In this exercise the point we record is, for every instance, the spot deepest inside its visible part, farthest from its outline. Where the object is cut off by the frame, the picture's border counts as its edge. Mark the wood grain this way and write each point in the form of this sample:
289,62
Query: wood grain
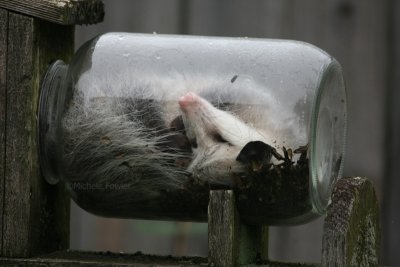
66,12
391,200
230,241
20,167
3,86
50,205
35,214
351,229
223,229
109,259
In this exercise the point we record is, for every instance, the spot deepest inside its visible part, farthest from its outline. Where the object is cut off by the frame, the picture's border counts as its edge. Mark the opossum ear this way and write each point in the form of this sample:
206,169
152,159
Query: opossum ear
255,154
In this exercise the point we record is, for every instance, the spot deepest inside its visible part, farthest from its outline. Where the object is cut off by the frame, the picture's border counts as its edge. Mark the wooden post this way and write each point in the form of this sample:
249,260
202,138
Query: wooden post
34,215
232,243
351,229
3,70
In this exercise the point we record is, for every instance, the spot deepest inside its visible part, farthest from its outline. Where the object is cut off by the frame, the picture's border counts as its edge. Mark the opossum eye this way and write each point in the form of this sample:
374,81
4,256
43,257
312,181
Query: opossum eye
193,142
218,138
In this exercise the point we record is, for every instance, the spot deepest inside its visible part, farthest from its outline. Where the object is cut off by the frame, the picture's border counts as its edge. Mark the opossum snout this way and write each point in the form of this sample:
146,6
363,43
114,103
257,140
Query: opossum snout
189,101
195,113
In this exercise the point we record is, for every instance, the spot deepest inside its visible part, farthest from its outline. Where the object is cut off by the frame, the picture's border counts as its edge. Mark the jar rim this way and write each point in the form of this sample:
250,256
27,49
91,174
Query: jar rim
320,199
52,81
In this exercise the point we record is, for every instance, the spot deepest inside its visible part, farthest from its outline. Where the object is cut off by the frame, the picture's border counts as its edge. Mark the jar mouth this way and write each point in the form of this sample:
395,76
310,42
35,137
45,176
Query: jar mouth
328,133
48,120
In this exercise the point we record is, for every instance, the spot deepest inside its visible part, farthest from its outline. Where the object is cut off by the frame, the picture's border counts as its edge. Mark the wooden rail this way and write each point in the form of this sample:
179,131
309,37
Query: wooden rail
83,259
65,12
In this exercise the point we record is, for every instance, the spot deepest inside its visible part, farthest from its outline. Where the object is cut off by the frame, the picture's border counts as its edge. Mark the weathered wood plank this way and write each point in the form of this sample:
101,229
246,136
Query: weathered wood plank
351,230
223,229
66,12
61,263
282,264
51,208
3,85
19,165
83,259
109,259
36,215
391,201
230,242
253,244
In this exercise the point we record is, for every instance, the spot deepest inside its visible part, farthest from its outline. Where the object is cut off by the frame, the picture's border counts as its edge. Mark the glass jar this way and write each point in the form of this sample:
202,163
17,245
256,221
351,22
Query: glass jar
143,126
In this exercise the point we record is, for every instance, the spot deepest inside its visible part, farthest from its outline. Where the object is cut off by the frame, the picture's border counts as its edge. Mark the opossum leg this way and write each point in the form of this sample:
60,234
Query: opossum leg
255,155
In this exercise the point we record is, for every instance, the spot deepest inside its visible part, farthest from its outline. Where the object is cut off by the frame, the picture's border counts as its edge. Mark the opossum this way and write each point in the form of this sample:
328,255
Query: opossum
155,133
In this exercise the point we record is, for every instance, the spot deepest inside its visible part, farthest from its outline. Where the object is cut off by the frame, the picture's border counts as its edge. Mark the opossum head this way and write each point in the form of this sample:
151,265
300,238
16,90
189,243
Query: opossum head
217,138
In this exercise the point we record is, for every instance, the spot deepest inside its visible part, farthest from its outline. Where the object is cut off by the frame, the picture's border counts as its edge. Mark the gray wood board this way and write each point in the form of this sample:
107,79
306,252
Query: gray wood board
352,227
76,258
20,166
35,214
3,86
391,204
230,241
223,229
103,259
66,12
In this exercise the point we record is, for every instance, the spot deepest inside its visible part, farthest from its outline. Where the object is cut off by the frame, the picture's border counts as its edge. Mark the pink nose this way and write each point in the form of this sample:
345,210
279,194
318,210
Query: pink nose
189,100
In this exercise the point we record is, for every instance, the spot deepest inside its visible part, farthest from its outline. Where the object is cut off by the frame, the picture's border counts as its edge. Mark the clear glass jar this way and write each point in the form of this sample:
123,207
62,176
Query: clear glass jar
143,126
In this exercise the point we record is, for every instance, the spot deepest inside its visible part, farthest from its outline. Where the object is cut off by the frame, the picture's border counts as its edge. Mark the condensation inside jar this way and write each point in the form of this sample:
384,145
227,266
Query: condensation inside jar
150,126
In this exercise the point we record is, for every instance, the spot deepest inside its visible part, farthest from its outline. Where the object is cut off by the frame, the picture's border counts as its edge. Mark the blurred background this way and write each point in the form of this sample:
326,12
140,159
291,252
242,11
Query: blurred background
364,36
